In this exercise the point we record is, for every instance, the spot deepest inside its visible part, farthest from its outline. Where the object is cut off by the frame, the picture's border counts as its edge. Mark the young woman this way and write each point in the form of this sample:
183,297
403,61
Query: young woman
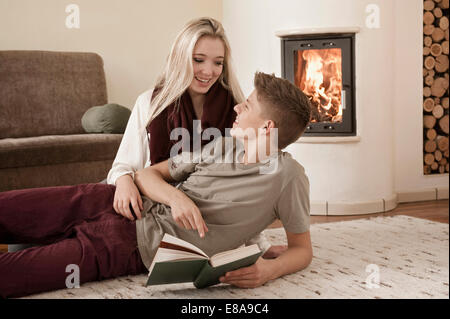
198,83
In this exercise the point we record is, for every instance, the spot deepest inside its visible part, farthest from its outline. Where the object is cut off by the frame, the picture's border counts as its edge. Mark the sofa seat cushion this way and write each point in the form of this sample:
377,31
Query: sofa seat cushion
57,149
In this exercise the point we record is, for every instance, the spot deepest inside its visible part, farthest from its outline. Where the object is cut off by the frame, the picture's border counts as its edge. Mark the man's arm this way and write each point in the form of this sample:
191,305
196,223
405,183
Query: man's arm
297,257
153,182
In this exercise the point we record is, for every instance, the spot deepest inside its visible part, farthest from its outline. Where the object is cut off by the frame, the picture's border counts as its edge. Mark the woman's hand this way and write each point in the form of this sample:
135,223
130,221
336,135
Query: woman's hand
186,214
127,193
250,277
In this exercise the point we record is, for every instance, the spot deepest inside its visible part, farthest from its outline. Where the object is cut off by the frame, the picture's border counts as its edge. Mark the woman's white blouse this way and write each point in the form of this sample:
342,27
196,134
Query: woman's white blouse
134,152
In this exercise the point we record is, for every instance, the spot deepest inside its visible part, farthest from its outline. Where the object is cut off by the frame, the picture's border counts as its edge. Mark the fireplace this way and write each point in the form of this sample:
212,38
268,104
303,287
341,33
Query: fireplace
322,66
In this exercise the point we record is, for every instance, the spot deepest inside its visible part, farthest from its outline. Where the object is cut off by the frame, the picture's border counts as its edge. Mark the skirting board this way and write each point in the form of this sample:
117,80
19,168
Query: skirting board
327,208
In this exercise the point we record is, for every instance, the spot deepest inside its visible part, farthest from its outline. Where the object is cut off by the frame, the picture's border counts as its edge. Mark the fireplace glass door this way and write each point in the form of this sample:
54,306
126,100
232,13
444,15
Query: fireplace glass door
322,67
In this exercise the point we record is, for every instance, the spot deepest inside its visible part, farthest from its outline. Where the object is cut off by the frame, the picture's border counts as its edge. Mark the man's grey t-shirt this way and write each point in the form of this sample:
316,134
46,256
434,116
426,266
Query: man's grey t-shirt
237,201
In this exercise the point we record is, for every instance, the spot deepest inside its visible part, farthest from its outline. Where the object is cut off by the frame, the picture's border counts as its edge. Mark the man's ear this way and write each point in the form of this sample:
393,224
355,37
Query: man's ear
268,125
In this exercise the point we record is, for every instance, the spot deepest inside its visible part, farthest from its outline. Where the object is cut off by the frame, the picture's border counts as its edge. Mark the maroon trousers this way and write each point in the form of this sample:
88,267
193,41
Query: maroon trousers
75,226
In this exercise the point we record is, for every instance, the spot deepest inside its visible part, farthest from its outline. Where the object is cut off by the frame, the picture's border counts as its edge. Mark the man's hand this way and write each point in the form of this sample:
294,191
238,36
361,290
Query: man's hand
126,194
187,215
250,277
274,251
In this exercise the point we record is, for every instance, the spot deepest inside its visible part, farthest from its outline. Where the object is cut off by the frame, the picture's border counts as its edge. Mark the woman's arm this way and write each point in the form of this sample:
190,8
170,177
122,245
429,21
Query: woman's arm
153,182
133,154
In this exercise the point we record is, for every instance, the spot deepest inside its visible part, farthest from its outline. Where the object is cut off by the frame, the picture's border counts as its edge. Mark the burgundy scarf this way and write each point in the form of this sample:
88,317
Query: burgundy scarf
217,112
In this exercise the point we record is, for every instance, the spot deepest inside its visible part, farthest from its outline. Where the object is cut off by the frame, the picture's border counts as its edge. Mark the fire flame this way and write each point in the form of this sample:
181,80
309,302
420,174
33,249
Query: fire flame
319,76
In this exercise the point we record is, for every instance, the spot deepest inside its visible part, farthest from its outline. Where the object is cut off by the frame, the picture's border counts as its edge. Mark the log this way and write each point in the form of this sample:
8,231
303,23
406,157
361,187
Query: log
427,41
429,62
428,29
444,46
441,63
441,169
444,101
428,158
430,146
428,17
426,51
443,4
438,155
431,72
440,85
426,91
443,124
443,23
434,166
436,49
429,121
446,34
431,134
442,143
446,153
429,80
437,101
437,12
438,111
428,5
438,34
443,161
428,104
446,167
426,169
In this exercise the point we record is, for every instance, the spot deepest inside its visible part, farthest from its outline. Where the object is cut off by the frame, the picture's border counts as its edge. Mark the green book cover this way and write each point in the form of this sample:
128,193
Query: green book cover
177,261
209,275
178,271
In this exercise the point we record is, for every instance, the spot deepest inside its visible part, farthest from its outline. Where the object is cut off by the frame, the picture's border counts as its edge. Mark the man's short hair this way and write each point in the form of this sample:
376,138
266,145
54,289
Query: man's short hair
285,104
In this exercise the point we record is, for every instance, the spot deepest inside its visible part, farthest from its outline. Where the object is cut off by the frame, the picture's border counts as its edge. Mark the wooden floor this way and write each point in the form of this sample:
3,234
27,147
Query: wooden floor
436,210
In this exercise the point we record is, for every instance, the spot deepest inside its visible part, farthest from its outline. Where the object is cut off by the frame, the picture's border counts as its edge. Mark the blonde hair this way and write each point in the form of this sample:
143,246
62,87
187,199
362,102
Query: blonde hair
179,71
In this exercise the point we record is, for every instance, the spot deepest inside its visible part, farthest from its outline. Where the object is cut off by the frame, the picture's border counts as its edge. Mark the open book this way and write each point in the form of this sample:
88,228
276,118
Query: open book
178,261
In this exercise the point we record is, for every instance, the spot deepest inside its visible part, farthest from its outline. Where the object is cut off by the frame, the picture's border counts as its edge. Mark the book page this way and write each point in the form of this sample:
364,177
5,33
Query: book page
176,241
234,254
164,254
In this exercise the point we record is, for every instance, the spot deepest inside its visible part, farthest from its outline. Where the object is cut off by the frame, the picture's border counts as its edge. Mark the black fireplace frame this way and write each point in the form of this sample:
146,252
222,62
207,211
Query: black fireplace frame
343,41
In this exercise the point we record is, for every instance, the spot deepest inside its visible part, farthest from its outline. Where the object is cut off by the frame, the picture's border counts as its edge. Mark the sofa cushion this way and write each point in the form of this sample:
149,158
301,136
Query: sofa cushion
56,149
47,92
108,118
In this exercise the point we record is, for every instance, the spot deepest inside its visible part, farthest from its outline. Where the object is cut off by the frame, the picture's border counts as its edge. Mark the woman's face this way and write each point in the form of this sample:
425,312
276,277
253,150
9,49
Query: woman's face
208,58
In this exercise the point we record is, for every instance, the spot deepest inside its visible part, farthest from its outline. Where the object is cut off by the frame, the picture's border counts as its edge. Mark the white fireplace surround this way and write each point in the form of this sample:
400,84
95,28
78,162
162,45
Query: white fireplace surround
382,165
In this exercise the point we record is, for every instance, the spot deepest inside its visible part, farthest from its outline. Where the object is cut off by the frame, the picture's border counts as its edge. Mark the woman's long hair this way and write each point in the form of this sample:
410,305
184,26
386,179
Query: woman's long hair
179,71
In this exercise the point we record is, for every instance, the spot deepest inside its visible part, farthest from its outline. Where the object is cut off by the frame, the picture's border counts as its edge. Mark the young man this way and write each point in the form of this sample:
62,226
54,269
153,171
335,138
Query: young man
217,206
237,187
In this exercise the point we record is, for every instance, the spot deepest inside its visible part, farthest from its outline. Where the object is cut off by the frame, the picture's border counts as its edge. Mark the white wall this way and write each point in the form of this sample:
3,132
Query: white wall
408,126
133,37
388,157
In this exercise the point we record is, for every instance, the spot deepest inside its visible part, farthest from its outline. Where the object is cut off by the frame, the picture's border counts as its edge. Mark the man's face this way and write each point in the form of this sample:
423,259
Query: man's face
249,118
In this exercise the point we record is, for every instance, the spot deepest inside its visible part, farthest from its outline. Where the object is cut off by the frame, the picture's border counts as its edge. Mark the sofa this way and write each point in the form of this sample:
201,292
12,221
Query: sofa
43,96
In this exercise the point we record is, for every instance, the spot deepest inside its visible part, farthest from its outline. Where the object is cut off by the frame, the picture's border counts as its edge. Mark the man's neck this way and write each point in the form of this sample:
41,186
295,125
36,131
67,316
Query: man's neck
255,152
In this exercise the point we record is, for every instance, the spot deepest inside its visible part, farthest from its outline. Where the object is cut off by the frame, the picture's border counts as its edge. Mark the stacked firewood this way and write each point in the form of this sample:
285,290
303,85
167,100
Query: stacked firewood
435,86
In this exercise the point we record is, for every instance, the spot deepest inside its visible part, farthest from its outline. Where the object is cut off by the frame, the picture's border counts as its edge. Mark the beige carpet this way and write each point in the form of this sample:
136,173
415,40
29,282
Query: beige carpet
409,256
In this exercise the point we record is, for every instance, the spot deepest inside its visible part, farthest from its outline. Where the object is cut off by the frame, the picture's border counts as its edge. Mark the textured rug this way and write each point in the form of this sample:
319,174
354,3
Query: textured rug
382,257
